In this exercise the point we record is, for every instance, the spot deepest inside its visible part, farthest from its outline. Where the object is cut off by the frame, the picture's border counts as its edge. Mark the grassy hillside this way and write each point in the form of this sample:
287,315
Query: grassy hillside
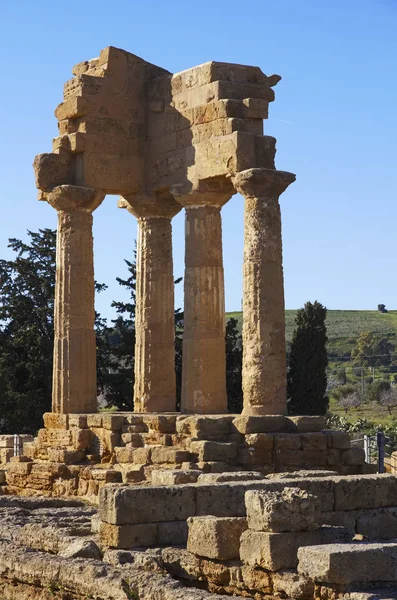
344,326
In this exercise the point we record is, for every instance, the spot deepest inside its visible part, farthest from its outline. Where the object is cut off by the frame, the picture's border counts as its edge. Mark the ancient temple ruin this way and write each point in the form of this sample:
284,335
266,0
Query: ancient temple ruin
164,142
197,504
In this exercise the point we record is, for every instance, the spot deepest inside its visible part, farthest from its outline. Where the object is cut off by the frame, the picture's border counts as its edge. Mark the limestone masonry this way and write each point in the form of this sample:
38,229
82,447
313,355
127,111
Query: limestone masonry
164,142
155,504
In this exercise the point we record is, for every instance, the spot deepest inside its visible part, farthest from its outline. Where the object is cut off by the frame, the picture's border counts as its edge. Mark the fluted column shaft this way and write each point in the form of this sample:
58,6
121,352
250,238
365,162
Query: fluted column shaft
264,353
204,360
74,370
155,379
155,384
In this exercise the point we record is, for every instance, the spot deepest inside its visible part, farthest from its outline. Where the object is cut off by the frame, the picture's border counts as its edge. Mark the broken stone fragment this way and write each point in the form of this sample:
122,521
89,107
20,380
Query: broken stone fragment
81,548
292,509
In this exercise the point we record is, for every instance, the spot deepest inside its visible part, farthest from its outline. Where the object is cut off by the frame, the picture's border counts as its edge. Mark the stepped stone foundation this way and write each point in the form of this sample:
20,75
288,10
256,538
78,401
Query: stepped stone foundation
76,455
155,504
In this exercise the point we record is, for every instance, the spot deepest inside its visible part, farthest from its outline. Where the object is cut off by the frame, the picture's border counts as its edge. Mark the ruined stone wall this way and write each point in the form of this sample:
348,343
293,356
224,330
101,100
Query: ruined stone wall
77,454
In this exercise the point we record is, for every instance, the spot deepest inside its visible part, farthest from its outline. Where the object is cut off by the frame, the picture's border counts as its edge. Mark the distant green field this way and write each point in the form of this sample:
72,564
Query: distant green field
344,326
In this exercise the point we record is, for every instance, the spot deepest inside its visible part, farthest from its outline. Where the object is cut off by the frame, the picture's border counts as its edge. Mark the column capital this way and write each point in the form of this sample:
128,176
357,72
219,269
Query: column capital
74,198
197,198
144,206
206,192
257,183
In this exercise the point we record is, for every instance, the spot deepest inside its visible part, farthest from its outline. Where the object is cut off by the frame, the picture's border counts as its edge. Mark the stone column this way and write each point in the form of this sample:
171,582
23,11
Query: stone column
204,359
74,372
155,383
264,356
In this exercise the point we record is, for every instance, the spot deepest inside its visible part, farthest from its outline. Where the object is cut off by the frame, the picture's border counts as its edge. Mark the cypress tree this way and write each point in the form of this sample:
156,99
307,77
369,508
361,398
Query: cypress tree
307,375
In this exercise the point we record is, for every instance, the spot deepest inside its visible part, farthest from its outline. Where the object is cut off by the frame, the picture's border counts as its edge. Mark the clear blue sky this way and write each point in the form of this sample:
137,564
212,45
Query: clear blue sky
335,119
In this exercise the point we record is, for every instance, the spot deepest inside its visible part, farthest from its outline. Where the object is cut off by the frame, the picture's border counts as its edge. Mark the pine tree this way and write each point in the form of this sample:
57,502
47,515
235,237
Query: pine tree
234,357
118,348
27,286
27,290
307,376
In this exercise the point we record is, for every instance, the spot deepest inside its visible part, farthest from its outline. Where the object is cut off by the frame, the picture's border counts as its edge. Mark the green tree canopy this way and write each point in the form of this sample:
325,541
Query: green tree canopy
27,285
372,350
307,377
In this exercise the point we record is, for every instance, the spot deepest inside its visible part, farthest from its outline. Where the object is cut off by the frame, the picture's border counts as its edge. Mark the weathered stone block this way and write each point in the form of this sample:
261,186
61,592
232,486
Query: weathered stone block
255,424
346,564
172,533
94,420
55,421
290,584
353,457
22,468
314,441
252,457
134,440
122,505
275,551
290,510
79,421
20,459
69,457
214,451
6,454
301,458
333,457
82,438
285,444
306,424
260,441
379,524
161,423
81,548
338,439
6,441
365,491
106,475
166,454
227,499
174,476
215,537
52,170
132,473
211,427
254,579
341,518
128,536
215,466
139,456
112,422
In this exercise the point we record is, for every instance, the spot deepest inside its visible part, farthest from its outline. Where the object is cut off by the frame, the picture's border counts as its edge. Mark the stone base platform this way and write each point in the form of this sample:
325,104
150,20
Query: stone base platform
75,455
50,550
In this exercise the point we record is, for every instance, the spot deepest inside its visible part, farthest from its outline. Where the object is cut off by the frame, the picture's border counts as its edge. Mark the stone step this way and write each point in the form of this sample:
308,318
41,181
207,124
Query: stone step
347,564
174,476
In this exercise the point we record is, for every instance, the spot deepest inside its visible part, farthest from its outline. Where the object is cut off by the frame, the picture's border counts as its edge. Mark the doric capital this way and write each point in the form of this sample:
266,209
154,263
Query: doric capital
213,192
257,183
144,206
71,198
